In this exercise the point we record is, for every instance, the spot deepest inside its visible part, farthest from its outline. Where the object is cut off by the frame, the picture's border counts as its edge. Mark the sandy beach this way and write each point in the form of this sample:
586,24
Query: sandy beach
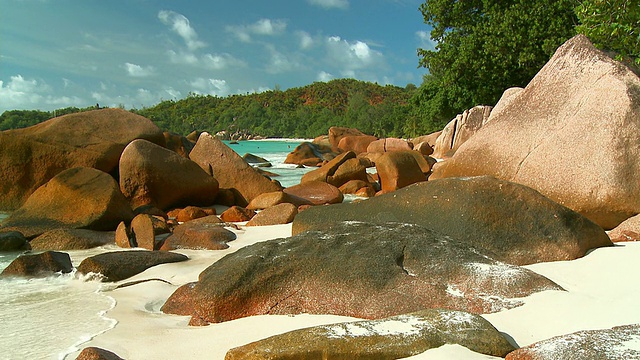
598,296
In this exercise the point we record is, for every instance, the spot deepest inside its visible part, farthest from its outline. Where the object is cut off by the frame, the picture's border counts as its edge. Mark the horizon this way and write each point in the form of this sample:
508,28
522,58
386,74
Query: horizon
138,53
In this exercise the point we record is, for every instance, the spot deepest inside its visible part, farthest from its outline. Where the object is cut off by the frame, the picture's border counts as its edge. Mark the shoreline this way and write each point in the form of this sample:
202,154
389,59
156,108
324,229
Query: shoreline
597,297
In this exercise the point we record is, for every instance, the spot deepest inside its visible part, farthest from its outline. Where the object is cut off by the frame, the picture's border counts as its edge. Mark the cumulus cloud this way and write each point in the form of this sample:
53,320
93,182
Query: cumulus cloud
306,41
217,87
138,71
185,58
330,4
352,55
324,76
425,40
265,27
181,26
221,61
21,93
279,62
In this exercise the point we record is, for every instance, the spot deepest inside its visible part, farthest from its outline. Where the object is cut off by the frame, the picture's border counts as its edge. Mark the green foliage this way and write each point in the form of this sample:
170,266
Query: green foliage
484,47
612,25
16,119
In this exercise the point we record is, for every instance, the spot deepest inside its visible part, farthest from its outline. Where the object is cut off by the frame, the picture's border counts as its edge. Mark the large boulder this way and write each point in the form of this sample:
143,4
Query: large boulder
316,193
30,157
39,265
207,233
398,169
310,154
279,214
372,270
515,223
336,134
572,134
94,353
13,241
618,343
120,265
389,144
72,239
84,198
628,230
356,143
460,129
391,338
153,175
328,169
231,171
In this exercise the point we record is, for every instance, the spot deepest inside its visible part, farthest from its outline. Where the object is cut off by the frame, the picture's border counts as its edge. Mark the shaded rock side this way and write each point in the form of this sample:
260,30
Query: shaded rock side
72,239
39,265
120,265
515,223
153,175
572,134
13,241
460,129
30,157
391,338
206,233
618,343
76,198
231,171
355,269
310,154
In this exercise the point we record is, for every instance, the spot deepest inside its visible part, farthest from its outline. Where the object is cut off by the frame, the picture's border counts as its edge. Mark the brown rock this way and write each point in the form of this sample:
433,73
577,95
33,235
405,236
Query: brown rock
310,154
94,353
545,137
412,334
200,234
76,198
279,214
423,148
231,171
351,169
460,129
389,144
429,139
143,233
366,192
226,197
628,230
120,265
124,238
353,186
268,200
30,157
178,143
39,265
153,175
356,143
150,210
13,241
398,169
191,213
237,214
72,239
329,169
316,192
337,133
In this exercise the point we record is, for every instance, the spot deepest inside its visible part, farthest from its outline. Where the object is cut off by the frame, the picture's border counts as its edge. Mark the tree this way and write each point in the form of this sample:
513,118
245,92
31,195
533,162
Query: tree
612,25
486,46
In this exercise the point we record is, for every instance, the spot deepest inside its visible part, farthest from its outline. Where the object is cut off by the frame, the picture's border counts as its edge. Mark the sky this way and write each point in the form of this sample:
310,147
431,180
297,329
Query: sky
136,53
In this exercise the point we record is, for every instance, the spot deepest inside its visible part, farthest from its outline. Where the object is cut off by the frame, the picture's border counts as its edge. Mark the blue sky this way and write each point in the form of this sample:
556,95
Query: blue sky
59,53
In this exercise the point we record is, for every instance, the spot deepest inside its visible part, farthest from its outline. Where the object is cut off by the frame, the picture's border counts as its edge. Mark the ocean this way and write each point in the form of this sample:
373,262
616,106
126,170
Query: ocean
52,317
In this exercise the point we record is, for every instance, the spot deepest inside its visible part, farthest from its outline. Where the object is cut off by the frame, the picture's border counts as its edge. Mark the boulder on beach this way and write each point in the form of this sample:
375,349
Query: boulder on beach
207,233
237,214
178,143
30,157
94,353
617,343
267,200
390,338
628,230
572,134
398,169
13,241
310,154
39,265
72,239
120,265
153,175
460,129
372,270
255,160
279,214
316,192
230,170
515,223
389,144
356,143
75,198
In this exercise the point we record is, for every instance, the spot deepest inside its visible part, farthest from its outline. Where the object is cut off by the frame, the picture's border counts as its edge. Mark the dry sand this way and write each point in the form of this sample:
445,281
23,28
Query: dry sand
601,292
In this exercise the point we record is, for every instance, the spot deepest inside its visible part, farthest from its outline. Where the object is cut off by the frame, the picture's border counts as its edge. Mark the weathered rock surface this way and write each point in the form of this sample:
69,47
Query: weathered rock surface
39,265
267,200
255,160
30,157
461,129
94,353
618,343
316,192
142,231
75,198
329,169
279,214
178,143
572,134
391,338
389,144
310,154
398,169
13,241
373,271
153,175
628,230
72,239
205,233
231,171
336,134
515,223
237,214
356,143
120,265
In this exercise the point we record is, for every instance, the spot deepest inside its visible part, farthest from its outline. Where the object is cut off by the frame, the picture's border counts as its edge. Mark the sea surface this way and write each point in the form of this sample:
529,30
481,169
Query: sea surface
52,317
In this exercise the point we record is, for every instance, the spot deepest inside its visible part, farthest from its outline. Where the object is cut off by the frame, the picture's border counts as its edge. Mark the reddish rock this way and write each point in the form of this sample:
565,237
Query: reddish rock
356,143
226,197
460,129
143,233
352,169
150,210
316,192
200,234
231,171
423,148
13,241
124,238
153,175
178,143
94,353
310,154
429,139
628,230
326,170
237,214
279,214
191,213
389,144
268,200
571,134
39,265
120,265
30,157
366,192
72,239
336,134
76,198
398,169
353,186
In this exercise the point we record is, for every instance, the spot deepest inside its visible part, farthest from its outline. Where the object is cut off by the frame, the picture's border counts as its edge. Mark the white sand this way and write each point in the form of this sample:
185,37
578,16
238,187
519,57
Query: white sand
601,292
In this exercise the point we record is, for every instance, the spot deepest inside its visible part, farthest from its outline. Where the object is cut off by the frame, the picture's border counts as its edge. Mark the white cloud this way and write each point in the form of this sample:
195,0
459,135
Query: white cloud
329,4
306,41
279,62
265,27
217,87
425,40
352,55
325,76
185,58
181,26
21,93
221,61
138,71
